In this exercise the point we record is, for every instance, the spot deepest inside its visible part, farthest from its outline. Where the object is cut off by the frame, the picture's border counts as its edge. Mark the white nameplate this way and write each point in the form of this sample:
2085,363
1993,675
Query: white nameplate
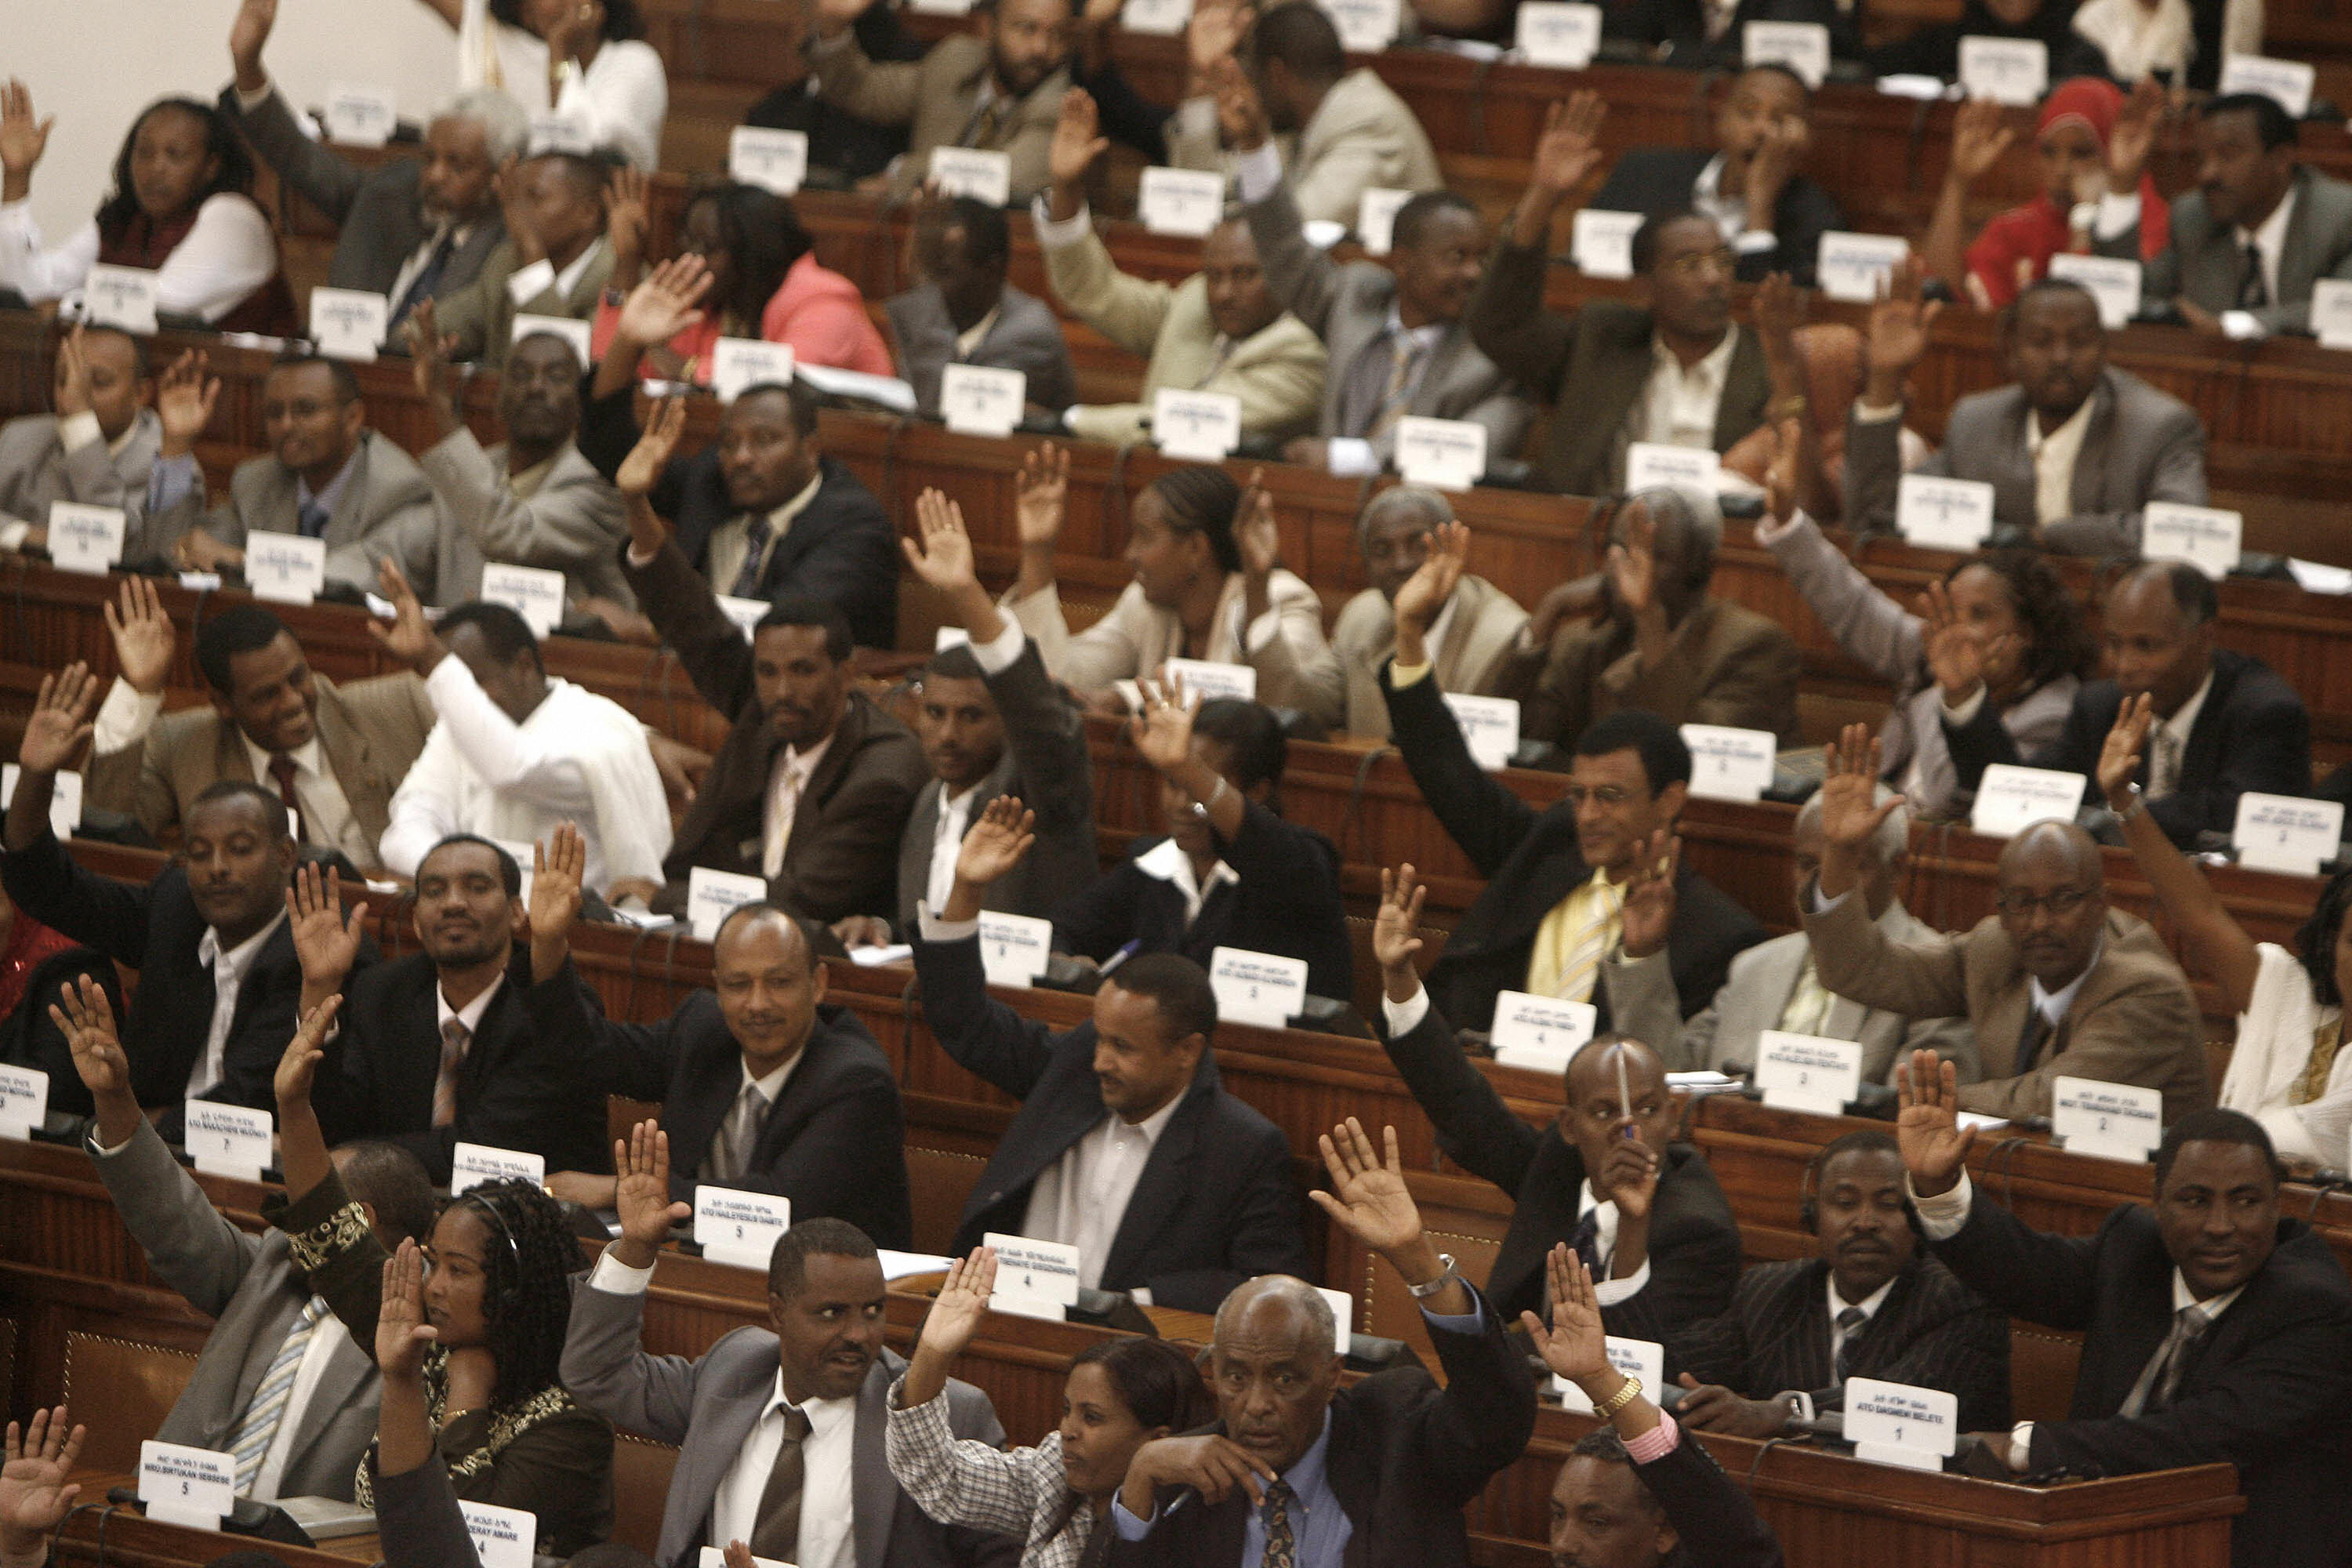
2012,799
185,1486
1443,454
503,1537
1896,1424
471,1164
1602,242
1197,426
1033,1278
980,400
289,568
711,895
2331,313
24,1100
739,1228
1164,19
2207,537
1730,764
2014,71
974,171
2113,284
1540,1033
1188,202
85,538
1943,514
1365,27
737,364
1644,1360
534,593
349,323
574,332
1853,267
1802,47
2289,81
1489,725
1557,34
567,133
360,114
227,1140
942,7
772,160
1808,1072
1376,219
1654,465
2117,1120
1209,680
65,799
121,296
1343,1312
747,614
1014,948
1261,988
712,1557
2286,833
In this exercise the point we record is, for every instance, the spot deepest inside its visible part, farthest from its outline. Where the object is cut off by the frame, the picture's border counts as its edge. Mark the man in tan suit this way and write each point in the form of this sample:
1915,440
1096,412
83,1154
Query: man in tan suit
2054,983
999,89
1221,329
554,261
1413,553
335,755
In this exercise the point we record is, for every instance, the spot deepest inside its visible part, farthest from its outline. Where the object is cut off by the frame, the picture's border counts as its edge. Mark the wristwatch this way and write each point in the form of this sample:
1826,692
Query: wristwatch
2133,803
1423,1292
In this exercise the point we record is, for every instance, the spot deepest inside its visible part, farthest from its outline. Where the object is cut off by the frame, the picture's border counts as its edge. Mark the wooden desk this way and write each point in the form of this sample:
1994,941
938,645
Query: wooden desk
127,1539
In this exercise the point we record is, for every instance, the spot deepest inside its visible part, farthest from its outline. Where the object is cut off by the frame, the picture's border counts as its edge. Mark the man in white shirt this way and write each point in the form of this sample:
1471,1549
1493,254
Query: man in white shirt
516,753
770,1421
2260,229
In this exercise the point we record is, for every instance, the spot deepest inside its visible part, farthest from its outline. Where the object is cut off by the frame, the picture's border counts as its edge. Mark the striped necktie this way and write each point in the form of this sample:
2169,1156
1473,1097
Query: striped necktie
1808,1012
1591,944
2159,1380
249,1443
1850,1320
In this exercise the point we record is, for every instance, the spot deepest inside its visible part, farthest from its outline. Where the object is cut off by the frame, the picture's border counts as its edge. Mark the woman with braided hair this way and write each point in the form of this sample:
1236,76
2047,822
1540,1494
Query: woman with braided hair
492,1285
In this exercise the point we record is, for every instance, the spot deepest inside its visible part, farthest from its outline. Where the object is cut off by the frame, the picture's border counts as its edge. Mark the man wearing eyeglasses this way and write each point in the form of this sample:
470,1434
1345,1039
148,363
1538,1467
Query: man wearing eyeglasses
2054,983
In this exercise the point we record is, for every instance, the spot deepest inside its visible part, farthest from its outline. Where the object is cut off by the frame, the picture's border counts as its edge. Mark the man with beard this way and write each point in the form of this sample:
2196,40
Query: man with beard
2074,448
999,87
814,785
2260,228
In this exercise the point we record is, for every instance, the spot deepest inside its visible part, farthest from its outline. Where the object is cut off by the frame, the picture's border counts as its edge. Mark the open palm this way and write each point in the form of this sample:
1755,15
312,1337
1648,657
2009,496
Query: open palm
1368,1194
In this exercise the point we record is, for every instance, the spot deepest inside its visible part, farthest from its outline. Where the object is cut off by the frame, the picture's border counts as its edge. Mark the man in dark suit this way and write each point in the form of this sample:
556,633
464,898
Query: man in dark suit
764,1089
1870,1305
1127,1145
2224,723
438,1048
1607,1177
219,978
1392,1460
410,229
1772,216
1669,367
762,513
964,312
2214,1329
2259,229
780,1429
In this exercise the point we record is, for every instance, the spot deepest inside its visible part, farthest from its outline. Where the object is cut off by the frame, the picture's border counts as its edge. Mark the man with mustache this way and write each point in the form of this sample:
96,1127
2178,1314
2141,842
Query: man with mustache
2074,448
1870,1304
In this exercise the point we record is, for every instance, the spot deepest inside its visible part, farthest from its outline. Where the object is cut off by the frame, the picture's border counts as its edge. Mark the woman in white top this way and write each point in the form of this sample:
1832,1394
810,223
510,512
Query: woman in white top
180,207
2144,37
1119,1394
2287,1072
585,61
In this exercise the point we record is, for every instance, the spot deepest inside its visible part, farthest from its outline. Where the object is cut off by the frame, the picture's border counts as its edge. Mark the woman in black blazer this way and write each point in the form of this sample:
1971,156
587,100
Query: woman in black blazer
1229,872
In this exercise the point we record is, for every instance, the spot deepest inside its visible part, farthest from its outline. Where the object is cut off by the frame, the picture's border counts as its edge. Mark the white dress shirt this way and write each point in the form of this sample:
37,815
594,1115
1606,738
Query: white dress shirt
1678,406
325,808
1730,214
527,283
1081,1198
2168,745
971,337
618,101
2268,239
2055,454
1868,1305
2055,1004
229,974
731,540
1172,865
786,782
471,1015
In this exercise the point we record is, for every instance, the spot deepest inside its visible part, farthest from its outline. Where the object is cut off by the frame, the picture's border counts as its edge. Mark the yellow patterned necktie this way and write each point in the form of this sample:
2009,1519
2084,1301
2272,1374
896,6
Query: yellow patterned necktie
2324,1042
1808,1012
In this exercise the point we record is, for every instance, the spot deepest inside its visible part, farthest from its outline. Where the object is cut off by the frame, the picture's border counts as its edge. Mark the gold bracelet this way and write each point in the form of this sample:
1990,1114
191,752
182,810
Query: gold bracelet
1627,1392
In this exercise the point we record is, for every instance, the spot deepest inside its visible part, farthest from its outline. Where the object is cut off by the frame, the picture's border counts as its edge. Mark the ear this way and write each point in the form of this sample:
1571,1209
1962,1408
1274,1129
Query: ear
1667,1540
518,915
817,979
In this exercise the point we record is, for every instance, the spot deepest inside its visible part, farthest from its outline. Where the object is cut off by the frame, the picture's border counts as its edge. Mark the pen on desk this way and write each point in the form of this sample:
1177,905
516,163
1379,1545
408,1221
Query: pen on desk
1121,956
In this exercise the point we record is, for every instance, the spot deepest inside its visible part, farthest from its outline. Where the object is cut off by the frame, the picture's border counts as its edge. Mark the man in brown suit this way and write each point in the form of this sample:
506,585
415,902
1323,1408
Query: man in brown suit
334,753
1655,639
2055,983
814,785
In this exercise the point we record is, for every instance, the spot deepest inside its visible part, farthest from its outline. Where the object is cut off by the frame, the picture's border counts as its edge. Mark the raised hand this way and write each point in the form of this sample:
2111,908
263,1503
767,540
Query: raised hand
1164,731
628,218
1927,1127
833,17
1899,319
299,1068
665,303
1958,656
1851,811
997,842
1256,533
651,455
559,865
1629,1173
73,394
143,637
1575,1345
1779,310
411,638
1039,492
1981,134
1781,476
1241,112
1422,597
1215,28
1368,1197
60,720
1076,144
429,350
1396,931
87,1021
326,940
402,1335
1570,146
641,1194
1632,562
2134,135
2127,741
246,35
942,556
1649,911
961,1307
22,140
35,1495
184,397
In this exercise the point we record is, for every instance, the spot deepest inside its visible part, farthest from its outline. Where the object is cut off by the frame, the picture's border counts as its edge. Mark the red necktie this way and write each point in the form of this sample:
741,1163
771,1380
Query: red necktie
281,768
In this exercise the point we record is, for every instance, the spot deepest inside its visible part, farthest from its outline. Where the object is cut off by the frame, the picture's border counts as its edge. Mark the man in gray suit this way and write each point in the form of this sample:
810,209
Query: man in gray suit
780,1429
100,446
280,1384
328,476
2259,229
991,722
964,312
1774,986
411,230
2074,448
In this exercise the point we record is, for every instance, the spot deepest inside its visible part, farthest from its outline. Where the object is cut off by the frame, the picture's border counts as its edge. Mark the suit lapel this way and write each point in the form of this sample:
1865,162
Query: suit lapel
875,1494
1747,386
349,520
2089,483
348,753
915,846
722,1427
706,1086
799,1097
346,1377
414,1054
1160,1189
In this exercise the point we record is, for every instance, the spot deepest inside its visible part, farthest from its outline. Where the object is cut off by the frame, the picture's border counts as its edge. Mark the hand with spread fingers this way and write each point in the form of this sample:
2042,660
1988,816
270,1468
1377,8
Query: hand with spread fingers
997,843
559,867
1851,812
2127,743
411,638
1649,911
1422,596
1927,1126
326,940
641,1196
35,1490
1396,933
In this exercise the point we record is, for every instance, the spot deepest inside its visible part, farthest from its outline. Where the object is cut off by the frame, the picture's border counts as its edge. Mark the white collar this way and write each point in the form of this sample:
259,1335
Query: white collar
1422,336
2036,439
569,276
470,1014
1711,369
803,762
2055,1005
2185,719
770,1084
971,339
2270,232
1708,186
2212,1306
237,959
824,1414
1869,1304
1152,1126
306,758
1168,861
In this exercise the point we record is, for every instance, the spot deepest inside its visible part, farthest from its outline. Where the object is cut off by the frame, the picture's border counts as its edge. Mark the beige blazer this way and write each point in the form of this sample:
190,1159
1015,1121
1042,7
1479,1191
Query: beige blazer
1727,665
1362,136
1475,658
1135,637
936,97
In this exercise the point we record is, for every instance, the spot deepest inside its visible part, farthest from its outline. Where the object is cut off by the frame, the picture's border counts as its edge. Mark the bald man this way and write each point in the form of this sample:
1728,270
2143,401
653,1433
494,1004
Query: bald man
2054,983
1393,1459
764,1087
